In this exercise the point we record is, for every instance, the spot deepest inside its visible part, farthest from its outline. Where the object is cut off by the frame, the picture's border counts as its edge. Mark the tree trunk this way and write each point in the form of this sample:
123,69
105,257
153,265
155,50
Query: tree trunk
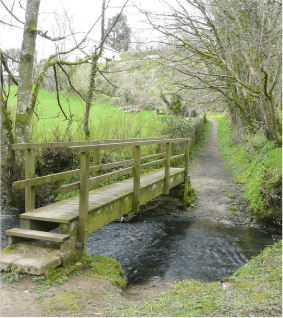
94,59
270,118
24,109
90,95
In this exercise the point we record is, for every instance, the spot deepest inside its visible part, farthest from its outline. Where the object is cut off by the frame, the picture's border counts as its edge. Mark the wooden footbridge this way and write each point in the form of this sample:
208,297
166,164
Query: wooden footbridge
79,216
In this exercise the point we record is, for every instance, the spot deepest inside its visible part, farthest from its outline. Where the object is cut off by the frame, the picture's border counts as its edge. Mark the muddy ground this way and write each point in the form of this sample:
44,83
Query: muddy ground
219,199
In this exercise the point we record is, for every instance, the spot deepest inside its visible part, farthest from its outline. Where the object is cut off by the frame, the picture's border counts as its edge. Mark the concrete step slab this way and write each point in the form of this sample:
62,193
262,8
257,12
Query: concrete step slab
30,259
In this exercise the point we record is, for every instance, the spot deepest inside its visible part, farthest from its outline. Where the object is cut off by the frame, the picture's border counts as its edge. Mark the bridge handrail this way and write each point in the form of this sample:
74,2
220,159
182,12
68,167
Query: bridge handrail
66,174
115,174
121,145
24,146
111,175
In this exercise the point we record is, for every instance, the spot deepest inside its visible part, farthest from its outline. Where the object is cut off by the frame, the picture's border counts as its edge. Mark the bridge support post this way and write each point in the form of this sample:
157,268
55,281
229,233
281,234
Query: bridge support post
167,168
30,173
137,178
84,194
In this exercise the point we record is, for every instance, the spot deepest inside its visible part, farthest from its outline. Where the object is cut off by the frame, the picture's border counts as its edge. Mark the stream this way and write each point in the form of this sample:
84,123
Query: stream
158,249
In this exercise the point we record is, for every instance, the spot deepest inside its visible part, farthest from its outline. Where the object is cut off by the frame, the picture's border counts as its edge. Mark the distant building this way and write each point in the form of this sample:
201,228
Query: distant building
108,53
154,57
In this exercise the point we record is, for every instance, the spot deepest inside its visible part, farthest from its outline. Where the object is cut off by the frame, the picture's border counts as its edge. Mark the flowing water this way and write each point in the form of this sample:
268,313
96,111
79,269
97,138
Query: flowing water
156,249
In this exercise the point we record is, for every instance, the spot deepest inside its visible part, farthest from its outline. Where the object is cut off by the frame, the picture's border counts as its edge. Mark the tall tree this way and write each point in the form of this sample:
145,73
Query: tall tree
119,33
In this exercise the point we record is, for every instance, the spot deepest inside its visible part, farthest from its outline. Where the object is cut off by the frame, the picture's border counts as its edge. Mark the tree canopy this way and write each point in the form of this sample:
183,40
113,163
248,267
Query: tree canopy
119,37
232,48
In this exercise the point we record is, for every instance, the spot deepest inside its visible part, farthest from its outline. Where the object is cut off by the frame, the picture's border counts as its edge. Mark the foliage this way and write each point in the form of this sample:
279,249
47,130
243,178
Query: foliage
257,163
120,35
178,127
12,171
175,106
12,275
231,48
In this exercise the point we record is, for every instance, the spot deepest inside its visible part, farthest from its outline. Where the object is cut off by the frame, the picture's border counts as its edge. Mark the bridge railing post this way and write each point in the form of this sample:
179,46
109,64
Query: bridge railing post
186,174
137,178
96,161
84,195
159,148
29,173
167,167
187,151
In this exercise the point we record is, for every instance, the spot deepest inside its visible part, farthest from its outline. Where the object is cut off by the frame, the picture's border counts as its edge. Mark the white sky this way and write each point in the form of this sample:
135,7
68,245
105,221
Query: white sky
83,14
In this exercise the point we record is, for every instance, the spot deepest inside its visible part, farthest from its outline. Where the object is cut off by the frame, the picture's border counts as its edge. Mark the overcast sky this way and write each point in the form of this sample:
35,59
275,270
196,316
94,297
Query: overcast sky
83,14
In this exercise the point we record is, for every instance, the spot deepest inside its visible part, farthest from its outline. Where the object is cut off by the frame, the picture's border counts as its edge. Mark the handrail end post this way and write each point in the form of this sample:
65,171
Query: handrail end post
167,168
137,176
29,173
84,197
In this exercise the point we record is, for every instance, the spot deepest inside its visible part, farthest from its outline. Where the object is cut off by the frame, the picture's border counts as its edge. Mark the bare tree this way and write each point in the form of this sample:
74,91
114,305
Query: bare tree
232,48
29,83
97,53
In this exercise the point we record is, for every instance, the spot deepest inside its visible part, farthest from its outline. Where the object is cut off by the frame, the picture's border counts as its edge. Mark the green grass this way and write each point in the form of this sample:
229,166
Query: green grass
254,290
106,121
256,163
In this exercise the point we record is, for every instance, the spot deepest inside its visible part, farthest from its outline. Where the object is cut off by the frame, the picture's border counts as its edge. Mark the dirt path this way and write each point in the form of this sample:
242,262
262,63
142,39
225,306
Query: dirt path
218,200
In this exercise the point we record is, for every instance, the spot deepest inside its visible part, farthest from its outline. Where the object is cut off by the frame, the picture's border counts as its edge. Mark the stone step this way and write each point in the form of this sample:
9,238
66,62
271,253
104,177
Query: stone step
31,259
15,233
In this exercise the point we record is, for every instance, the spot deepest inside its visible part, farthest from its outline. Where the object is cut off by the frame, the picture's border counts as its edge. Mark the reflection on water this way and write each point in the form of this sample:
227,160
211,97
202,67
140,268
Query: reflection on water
157,249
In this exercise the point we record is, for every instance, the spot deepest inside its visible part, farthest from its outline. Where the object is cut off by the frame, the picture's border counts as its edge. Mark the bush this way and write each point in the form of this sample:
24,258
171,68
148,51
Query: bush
180,127
48,161
13,171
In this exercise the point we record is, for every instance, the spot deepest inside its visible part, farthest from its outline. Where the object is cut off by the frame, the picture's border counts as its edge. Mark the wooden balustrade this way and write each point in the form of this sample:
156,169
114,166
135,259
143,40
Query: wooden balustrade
133,166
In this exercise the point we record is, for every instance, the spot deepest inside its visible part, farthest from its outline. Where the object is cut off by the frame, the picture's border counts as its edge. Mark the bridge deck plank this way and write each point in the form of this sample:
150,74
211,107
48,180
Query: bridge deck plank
68,210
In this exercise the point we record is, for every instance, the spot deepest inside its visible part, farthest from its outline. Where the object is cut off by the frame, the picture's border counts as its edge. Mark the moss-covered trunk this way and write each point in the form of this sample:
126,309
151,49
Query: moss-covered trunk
24,109
94,67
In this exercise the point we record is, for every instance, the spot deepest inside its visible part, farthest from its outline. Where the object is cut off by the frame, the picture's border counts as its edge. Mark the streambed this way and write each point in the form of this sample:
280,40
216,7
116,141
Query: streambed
158,249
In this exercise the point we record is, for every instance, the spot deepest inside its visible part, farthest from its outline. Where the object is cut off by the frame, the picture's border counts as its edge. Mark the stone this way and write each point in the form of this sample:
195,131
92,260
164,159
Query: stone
32,259
37,265
7,260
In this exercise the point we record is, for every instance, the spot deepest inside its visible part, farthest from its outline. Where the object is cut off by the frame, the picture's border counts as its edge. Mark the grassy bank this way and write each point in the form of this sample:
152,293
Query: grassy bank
257,163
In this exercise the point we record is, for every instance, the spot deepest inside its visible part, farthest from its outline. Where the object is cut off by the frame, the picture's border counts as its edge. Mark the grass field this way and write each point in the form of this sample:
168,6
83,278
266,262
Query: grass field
106,121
